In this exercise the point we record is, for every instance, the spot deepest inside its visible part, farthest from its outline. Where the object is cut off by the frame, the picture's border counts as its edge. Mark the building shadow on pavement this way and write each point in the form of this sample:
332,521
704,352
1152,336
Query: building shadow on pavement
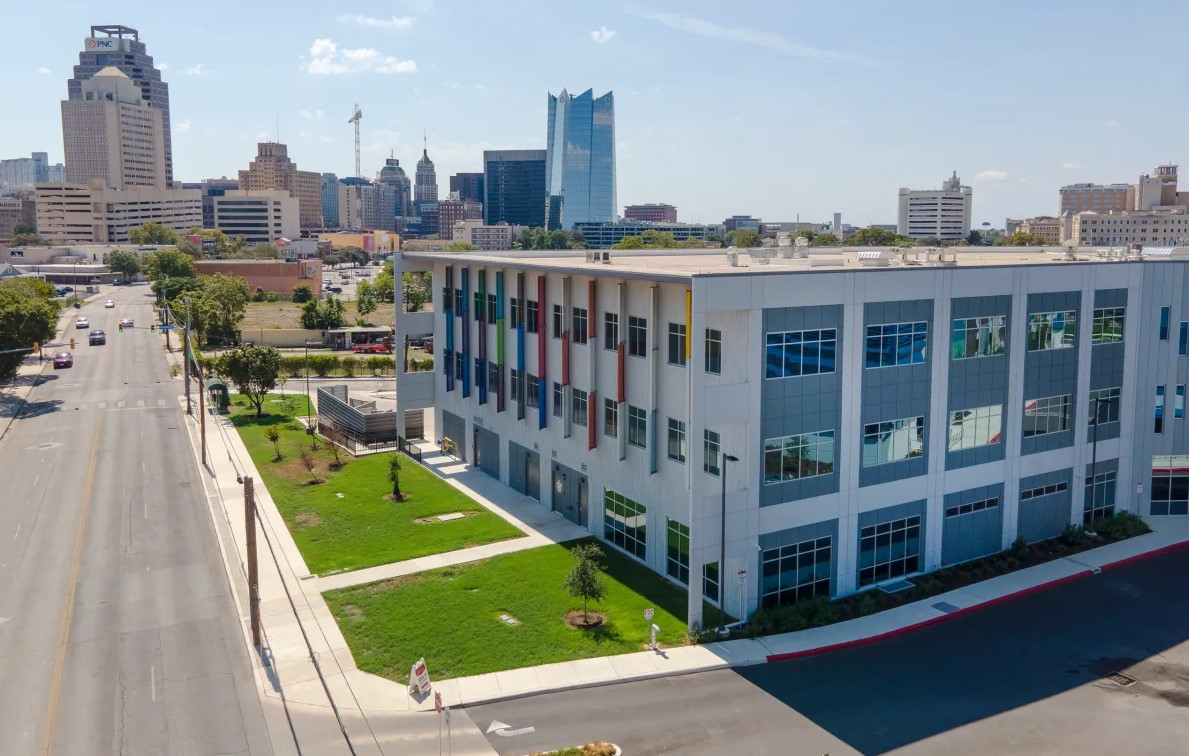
887,695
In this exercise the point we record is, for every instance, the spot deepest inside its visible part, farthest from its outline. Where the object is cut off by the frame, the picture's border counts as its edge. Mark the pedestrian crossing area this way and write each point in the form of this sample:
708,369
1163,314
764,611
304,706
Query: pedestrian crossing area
128,404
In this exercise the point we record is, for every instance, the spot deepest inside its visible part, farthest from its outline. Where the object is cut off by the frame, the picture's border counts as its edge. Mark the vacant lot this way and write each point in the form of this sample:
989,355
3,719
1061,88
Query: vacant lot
268,315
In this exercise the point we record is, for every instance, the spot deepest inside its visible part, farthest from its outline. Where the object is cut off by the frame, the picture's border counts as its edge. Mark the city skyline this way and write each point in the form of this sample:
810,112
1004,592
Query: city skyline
812,151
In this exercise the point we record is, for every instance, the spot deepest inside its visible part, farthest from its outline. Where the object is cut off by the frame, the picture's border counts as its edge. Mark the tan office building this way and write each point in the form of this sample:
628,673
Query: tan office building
261,217
1096,198
97,214
272,169
111,134
483,237
452,210
1161,228
1044,227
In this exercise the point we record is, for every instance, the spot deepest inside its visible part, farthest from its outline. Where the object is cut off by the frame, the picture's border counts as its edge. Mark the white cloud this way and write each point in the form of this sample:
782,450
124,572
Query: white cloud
753,37
327,59
182,125
602,35
196,70
1071,166
390,23
991,175
312,115
43,70
1112,123
162,66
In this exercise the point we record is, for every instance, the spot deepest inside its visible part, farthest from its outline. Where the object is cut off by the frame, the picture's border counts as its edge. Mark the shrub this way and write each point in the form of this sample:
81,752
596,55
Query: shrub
1019,548
375,362
258,295
866,604
1121,525
302,293
348,365
1073,536
294,367
324,364
270,296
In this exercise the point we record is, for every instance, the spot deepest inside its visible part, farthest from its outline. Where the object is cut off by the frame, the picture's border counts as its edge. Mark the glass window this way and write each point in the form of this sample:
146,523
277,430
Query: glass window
514,311
978,426
610,418
893,441
676,440
491,309
890,344
1108,325
610,331
1106,402
1098,498
557,321
1165,315
559,400
971,507
710,452
579,326
1047,415
637,336
625,523
637,427
478,305
459,366
493,375
1178,408
532,322
514,391
979,337
677,551
1052,330
578,399
458,301
533,396
713,351
1183,339
794,572
1046,490
1170,484
889,550
802,456
710,581
1159,426
793,353
677,344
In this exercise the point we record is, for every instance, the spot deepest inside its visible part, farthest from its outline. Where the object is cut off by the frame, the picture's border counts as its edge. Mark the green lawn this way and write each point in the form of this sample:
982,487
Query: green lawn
346,522
451,616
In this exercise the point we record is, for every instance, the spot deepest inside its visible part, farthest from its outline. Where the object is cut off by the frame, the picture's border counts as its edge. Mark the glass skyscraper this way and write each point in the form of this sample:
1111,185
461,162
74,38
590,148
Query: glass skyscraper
514,187
580,159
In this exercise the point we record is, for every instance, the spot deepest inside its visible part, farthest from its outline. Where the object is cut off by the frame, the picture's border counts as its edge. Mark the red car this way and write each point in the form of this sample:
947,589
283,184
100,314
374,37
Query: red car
379,348
63,360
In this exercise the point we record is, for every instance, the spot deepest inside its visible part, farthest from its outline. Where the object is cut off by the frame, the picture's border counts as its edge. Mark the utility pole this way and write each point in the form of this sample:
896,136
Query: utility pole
186,355
202,415
253,576
165,321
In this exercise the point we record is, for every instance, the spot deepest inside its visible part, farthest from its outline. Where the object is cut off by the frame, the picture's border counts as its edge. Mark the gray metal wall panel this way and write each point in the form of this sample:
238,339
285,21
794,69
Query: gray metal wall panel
975,534
1045,517
488,450
455,429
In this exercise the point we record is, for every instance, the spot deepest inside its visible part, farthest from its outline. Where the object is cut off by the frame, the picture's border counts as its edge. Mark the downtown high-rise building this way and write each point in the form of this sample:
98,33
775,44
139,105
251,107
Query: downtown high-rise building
111,134
272,169
393,175
330,200
468,185
580,159
120,47
23,173
425,187
514,187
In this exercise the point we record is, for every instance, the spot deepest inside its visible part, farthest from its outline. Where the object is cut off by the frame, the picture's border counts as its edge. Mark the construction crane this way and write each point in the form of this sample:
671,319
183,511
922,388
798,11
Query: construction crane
355,118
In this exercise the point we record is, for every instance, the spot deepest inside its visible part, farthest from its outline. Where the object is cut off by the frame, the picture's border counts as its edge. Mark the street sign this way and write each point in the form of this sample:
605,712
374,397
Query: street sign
648,613
742,577
437,702
165,327
419,677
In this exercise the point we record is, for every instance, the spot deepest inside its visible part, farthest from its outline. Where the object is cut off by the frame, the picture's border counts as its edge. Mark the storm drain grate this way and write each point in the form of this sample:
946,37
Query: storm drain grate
1122,680
896,587
945,606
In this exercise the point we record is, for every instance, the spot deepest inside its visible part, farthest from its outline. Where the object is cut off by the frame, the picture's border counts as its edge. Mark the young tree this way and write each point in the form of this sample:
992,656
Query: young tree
585,581
746,238
302,293
308,461
394,475
416,292
253,370
334,437
152,233
125,263
365,299
321,316
274,435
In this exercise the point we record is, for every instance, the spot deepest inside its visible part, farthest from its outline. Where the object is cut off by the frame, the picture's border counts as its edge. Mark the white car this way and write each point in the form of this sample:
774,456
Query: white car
109,304
82,323
127,323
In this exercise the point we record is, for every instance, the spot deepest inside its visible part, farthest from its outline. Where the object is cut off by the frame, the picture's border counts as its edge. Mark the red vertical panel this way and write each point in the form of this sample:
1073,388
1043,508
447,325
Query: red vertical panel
565,358
592,307
592,419
620,395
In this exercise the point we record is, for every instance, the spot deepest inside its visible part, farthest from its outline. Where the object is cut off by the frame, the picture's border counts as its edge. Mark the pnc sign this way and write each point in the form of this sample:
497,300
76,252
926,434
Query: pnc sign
99,43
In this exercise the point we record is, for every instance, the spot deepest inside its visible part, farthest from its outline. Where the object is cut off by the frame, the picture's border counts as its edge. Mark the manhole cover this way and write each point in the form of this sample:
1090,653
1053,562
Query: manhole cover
1120,679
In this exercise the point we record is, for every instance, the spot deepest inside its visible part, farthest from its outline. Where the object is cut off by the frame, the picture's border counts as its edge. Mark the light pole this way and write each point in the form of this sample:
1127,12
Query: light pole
722,549
186,354
309,428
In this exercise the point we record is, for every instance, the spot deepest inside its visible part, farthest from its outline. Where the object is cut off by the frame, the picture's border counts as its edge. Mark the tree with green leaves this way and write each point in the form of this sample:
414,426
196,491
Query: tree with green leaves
1021,239
974,238
460,247
585,580
302,293
273,434
394,476
416,290
217,307
168,263
253,370
872,237
125,263
824,240
152,233
744,238
28,240
28,314
366,299
322,316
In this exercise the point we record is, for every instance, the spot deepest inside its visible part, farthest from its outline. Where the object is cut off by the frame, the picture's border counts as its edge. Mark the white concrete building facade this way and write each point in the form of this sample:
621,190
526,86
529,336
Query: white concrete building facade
930,213
889,415
96,214
260,216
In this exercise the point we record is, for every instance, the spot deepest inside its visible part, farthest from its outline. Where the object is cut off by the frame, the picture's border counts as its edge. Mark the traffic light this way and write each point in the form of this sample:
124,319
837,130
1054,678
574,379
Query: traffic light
72,343
37,346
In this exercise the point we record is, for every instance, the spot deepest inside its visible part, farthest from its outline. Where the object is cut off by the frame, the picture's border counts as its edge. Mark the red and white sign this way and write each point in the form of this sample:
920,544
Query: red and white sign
648,613
437,702
419,677
742,577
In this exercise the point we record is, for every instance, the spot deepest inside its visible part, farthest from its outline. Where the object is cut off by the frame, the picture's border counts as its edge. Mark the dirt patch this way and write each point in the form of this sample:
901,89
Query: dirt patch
591,620
352,612
390,583
434,520
308,520
403,497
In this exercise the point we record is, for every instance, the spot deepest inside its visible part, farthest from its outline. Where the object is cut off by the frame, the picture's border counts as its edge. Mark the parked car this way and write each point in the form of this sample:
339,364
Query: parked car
65,289
379,348
98,338
335,289
63,360
82,323
109,305
127,323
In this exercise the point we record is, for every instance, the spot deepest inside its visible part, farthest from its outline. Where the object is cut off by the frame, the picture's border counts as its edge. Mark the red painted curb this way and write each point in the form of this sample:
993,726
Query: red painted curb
967,610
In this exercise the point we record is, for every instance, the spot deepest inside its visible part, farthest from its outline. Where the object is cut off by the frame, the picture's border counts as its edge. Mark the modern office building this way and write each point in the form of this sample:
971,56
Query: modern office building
1096,198
329,184
110,133
211,188
514,187
930,213
604,235
261,216
1167,228
480,236
363,204
875,414
580,158
652,212
272,169
468,185
741,222
23,173
393,175
1046,228
453,209
94,213
120,46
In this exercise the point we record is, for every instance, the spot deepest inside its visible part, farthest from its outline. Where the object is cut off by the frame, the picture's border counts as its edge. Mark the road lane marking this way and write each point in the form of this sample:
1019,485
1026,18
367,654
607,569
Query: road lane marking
36,478
16,534
140,402
160,402
120,405
153,681
506,731
51,716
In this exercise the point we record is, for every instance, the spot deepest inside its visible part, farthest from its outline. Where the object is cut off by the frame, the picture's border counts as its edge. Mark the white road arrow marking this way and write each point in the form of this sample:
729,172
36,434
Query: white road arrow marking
3,620
505,731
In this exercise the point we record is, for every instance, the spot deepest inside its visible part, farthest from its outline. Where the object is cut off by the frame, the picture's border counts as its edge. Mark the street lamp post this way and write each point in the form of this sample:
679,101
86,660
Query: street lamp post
722,548
308,419
186,355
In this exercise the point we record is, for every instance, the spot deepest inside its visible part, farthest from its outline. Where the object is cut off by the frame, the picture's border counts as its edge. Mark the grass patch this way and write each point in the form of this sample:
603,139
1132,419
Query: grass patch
359,528
451,616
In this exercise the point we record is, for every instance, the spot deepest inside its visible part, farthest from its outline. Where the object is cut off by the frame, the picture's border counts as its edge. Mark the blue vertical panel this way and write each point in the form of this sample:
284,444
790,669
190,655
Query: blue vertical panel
520,346
466,332
481,319
448,312
500,368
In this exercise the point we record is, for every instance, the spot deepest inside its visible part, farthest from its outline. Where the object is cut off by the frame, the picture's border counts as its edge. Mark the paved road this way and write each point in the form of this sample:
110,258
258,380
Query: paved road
1022,677
117,628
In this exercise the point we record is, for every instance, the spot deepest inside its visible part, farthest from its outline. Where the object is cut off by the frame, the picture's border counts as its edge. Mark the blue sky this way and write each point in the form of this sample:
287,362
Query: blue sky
771,108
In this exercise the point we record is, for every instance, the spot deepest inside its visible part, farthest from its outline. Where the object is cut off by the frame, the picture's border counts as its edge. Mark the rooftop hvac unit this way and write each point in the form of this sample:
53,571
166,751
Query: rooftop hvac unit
735,260
873,258
604,257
